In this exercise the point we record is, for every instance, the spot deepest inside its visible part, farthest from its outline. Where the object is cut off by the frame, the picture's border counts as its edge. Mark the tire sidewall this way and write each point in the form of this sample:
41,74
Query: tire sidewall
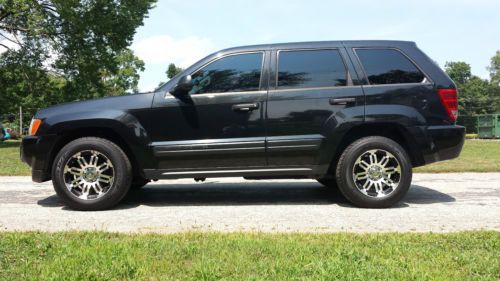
348,186
121,182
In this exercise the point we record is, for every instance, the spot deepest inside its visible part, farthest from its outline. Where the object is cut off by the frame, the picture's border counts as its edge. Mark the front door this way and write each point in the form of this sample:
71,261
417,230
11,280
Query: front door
219,123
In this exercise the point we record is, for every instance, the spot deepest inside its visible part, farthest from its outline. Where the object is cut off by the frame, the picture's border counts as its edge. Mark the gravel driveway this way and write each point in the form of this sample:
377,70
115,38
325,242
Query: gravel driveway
435,202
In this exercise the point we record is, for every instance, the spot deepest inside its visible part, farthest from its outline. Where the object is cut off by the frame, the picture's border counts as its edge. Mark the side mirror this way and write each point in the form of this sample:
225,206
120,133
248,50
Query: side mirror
184,85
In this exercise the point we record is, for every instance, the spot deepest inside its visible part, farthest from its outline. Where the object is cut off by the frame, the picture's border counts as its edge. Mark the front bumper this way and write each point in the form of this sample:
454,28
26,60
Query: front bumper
446,143
36,151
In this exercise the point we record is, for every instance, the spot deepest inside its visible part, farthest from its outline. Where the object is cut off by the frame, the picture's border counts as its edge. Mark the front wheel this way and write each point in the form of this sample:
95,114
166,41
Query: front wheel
374,172
91,174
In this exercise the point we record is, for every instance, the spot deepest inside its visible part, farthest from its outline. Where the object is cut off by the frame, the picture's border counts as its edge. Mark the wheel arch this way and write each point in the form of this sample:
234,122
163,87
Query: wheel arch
99,132
393,131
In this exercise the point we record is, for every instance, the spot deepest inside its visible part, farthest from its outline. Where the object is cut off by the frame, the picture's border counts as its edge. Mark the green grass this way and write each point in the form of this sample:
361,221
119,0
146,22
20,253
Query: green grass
250,256
476,156
10,164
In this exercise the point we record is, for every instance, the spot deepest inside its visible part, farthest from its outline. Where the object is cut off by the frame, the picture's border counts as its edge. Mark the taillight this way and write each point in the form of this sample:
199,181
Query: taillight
449,99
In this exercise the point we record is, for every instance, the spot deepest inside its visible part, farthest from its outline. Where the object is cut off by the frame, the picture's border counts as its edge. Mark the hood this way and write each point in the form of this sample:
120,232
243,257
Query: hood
126,102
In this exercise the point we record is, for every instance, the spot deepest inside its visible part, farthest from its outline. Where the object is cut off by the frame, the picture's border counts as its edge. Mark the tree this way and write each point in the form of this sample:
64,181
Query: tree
494,69
82,42
476,95
473,91
172,70
459,71
23,82
126,78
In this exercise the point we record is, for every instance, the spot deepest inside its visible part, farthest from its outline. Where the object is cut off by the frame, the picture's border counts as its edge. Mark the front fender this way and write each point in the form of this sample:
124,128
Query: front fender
114,122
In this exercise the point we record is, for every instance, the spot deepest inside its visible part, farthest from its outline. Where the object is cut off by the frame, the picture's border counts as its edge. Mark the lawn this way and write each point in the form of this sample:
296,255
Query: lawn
477,156
250,256
10,164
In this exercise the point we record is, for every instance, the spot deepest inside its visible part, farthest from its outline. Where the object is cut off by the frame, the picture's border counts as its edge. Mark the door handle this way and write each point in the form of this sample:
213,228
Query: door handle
245,106
342,101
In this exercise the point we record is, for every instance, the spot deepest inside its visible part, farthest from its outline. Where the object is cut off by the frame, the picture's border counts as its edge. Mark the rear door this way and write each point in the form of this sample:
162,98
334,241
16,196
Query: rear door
310,89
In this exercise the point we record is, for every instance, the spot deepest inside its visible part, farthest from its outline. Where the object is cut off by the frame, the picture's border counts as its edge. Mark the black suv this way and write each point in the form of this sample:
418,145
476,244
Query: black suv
355,115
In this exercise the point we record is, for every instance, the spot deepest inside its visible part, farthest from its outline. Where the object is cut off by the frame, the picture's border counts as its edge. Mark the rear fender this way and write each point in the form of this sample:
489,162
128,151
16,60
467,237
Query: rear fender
340,127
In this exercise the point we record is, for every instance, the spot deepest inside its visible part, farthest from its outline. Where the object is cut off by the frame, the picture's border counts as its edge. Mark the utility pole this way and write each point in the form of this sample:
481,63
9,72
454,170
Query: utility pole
21,121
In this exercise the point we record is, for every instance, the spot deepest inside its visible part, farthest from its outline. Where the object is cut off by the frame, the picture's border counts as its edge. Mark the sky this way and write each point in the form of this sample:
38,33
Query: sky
184,31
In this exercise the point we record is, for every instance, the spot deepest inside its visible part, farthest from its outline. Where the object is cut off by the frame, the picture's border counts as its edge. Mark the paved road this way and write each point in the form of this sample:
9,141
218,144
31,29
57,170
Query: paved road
436,202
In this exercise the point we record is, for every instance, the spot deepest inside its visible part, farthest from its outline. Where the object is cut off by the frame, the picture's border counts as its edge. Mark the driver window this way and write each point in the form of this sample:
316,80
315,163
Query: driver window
234,73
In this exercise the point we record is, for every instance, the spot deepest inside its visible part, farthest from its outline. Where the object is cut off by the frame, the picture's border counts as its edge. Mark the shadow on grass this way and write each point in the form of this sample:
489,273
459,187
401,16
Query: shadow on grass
251,193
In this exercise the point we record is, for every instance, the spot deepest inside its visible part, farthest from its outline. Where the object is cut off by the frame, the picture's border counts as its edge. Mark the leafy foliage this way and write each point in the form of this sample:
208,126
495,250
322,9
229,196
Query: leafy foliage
459,71
173,70
63,50
126,77
494,69
476,95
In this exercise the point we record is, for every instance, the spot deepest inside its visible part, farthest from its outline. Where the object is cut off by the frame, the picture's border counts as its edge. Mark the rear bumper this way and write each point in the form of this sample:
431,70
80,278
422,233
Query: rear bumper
446,143
35,151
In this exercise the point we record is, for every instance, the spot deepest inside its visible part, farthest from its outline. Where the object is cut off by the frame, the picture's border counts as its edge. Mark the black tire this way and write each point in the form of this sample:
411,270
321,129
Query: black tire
118,188
345,166
138,183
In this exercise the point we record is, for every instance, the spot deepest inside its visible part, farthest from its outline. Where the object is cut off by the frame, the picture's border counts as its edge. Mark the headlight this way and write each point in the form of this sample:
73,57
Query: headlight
34,125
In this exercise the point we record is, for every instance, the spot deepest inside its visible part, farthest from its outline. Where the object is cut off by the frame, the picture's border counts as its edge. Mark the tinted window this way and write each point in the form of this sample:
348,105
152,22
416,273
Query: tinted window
301,69
230,74
388,67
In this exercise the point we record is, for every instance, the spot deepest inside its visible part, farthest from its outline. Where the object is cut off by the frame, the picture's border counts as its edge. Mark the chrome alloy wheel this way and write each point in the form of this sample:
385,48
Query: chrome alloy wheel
88,174
376,173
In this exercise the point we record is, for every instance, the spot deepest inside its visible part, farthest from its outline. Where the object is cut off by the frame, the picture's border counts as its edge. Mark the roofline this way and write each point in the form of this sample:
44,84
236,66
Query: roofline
360,43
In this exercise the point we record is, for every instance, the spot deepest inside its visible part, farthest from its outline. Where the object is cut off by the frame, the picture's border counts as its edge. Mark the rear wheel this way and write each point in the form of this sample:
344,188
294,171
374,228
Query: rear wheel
91,174
374,172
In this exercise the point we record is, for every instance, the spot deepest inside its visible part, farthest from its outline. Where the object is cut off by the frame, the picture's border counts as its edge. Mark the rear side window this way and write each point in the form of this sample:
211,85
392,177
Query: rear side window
388,66
308,69
235,73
